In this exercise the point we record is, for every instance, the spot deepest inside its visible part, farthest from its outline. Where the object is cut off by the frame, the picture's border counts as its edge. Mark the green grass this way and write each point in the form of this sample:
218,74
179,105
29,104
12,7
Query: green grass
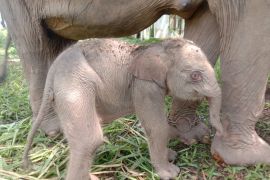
11,51
123,156
14,96
140,42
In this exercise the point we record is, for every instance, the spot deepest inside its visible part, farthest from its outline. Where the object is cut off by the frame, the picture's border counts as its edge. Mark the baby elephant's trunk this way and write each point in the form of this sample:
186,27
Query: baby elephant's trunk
214,111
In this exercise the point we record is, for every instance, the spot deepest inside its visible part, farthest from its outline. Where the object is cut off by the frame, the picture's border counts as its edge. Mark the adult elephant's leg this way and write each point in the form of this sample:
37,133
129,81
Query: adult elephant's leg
202,28
245,57
37,49
51,47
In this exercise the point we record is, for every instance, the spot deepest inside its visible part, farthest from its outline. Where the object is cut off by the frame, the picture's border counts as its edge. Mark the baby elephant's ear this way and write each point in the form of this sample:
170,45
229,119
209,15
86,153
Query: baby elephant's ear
150,67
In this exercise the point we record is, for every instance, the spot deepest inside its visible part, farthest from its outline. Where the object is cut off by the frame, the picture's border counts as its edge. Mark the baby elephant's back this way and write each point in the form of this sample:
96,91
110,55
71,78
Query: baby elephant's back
106,51
110,58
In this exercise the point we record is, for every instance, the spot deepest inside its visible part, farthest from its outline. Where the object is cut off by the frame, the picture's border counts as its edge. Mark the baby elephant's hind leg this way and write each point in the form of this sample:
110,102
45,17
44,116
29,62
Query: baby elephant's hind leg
190,129
82,129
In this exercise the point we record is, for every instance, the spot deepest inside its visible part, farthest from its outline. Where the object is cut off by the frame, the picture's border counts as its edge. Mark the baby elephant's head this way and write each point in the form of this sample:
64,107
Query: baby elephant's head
181,69
189,74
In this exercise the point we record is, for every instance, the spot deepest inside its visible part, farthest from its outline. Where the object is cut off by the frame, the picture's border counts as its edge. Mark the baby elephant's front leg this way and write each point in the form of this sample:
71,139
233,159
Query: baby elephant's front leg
149,106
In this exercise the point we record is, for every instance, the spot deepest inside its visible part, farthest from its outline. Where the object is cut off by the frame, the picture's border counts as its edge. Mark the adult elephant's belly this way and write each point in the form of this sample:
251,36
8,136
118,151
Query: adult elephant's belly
70,30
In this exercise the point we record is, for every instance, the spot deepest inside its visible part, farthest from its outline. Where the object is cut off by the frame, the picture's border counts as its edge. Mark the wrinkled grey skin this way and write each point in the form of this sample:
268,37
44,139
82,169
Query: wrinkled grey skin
97,81
42,29
226,29
244,52
189,127
202,28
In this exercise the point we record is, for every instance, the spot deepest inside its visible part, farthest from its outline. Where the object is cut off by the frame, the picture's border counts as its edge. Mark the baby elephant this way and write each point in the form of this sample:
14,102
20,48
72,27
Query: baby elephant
99,80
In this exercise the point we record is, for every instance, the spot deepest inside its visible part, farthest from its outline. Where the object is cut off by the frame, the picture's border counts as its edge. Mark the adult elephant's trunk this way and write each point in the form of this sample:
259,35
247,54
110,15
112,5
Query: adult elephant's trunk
214,112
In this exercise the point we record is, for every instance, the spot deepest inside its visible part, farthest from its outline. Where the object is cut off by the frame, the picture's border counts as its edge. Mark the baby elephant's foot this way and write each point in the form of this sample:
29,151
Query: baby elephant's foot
168,171
198,133
172,155
190,130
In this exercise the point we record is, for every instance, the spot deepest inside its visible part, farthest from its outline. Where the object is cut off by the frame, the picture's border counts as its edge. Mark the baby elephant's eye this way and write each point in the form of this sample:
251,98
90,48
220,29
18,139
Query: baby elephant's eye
196,76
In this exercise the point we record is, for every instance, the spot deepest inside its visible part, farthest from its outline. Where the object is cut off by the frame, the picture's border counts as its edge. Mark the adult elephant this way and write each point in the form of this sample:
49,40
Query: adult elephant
41,29
228,29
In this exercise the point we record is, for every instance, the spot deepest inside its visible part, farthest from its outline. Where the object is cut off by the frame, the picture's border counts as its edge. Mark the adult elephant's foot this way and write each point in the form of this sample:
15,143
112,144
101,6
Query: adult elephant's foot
187,126
240,149
51,125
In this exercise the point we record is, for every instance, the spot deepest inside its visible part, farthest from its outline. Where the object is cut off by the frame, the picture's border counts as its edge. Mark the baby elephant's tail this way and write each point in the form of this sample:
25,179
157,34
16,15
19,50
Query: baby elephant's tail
45,107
